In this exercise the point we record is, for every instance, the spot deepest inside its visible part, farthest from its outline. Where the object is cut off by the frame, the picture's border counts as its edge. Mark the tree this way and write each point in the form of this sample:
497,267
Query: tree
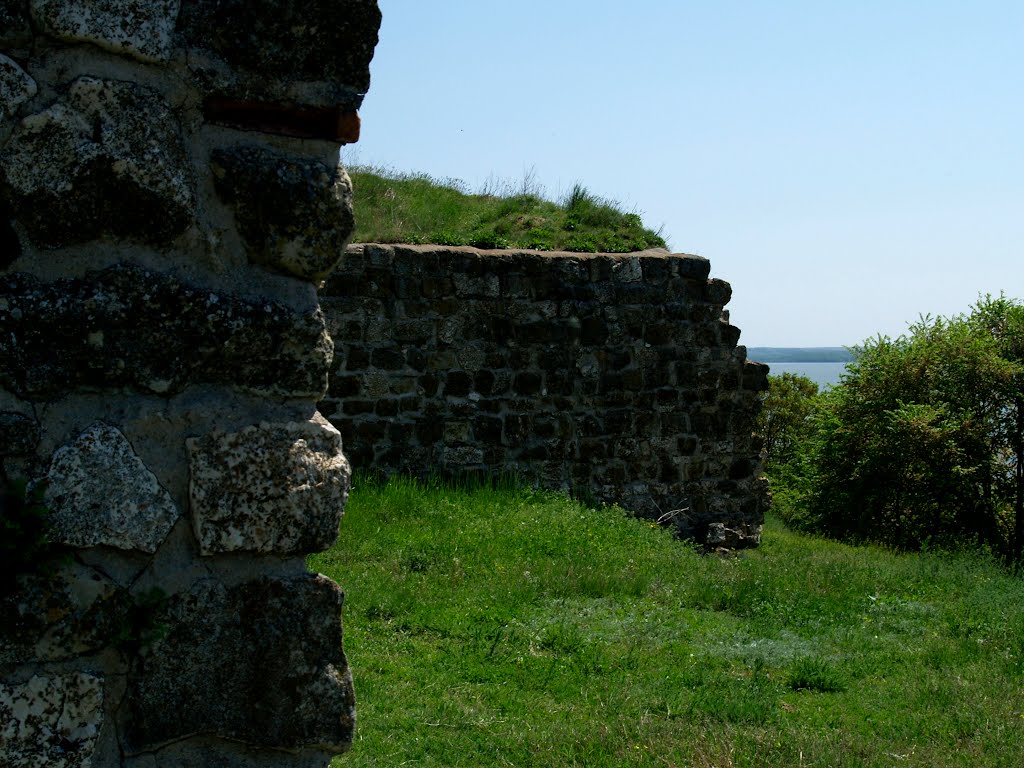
1003,320
784,418
922,440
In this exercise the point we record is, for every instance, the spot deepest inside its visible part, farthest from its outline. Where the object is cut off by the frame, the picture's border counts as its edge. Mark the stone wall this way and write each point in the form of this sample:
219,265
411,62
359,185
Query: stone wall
170,195
617,377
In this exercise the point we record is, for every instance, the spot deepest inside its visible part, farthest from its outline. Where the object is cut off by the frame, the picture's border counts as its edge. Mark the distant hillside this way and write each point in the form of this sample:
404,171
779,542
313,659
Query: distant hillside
799,354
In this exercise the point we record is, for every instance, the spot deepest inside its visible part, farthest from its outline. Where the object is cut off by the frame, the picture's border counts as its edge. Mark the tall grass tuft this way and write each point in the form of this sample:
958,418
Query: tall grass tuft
395,207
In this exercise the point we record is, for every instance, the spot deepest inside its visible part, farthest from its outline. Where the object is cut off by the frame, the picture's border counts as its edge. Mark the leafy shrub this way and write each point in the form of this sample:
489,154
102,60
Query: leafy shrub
921,443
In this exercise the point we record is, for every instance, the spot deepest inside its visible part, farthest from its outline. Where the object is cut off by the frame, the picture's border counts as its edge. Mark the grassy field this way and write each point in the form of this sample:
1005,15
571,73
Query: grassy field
394,207
506,627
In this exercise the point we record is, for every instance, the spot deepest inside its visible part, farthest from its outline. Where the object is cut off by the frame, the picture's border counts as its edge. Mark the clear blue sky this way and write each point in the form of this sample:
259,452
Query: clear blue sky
847,166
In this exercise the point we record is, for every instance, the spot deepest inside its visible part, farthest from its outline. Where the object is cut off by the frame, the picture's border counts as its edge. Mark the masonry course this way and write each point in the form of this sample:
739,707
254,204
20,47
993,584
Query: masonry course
614,376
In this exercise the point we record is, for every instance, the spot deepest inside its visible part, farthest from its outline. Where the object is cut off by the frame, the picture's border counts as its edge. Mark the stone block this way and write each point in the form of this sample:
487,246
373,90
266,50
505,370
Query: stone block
55,616
50,722
19,434
315,53
125,326
16,87
143,29
101,494
260,662
717,292
106,159
15,28
272,488
295,214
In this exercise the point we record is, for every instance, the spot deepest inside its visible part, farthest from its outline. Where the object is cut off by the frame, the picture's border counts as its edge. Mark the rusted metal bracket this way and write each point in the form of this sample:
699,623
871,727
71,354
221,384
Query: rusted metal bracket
327,123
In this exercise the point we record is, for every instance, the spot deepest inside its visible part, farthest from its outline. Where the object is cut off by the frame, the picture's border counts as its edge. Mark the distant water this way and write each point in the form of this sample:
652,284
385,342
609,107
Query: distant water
822,374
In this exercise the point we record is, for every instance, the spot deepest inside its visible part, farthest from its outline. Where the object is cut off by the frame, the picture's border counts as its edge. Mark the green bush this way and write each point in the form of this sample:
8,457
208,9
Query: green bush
921,443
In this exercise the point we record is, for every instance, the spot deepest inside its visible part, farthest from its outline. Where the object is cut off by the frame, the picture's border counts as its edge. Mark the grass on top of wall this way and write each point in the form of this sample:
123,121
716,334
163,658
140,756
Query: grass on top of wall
497,627
392,207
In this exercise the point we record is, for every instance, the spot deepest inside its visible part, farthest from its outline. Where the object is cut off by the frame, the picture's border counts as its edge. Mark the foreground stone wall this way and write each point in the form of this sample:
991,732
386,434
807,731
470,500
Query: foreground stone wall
617,377
170,195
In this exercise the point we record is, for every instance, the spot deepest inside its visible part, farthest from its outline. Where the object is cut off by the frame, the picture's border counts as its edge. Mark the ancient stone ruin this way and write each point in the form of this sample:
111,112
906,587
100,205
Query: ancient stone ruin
170,196
170,199
616,377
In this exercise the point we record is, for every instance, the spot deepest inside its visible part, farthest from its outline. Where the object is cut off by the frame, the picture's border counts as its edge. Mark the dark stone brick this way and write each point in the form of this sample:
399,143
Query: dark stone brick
633,379
410,404
593,332
555,358
458,384
358,407
356,358
125,326
277,44
560,382
345,386
388,359
429,384
387,408
589,426
416,359
755,376
539,332
484,381
487,429
430,430
537,452
294,213
618,421
740,469
655,269
371,431
656,335
730,335
717,292
520,358
517,428
593,450
19,434
260,662
401,434
527,383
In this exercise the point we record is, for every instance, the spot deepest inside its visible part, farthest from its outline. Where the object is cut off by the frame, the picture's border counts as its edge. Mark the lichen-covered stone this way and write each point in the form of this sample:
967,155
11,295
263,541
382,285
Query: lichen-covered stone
143,29
50,722
15,28
295,214
101,494
16,87
107,159
277,488
260,662
19,434
125,326
54,616
315,53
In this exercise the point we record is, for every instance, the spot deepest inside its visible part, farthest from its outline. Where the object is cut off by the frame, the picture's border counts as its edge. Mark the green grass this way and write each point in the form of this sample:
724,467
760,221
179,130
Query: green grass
509,627
415,208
